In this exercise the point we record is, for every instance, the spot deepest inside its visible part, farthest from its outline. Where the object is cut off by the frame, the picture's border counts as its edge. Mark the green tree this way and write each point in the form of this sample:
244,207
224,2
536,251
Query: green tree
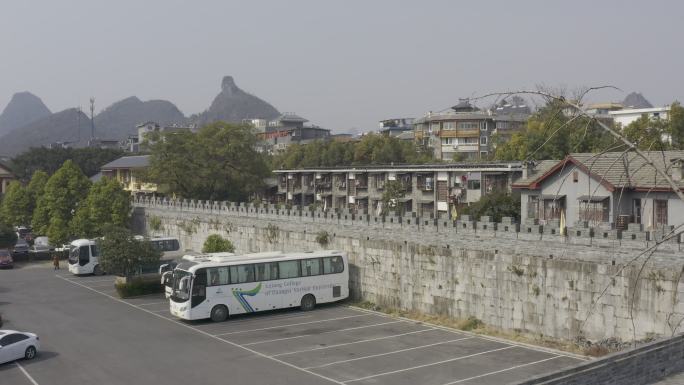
394,190
219,162
122,254
658,134
370,149
217,244
8,237
107,203
63,193
16,205
36,187
89,160
676,123
551,134
495,205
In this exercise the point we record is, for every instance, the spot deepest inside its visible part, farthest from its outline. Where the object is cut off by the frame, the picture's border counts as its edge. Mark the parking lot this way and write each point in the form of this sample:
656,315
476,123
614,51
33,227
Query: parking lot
91,336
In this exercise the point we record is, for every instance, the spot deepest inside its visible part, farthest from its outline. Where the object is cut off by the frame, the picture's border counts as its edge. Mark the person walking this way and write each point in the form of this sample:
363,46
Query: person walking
55,261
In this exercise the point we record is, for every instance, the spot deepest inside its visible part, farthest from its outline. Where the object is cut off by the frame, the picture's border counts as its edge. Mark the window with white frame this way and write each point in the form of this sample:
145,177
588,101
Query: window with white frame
483,140
467,125
448,125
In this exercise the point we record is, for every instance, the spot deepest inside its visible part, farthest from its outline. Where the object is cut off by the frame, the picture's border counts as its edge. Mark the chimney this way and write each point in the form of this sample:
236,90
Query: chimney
676,169
527,168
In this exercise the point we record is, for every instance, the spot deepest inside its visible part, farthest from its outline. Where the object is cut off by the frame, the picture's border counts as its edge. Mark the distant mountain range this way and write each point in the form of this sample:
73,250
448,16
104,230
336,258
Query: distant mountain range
26,122
23,108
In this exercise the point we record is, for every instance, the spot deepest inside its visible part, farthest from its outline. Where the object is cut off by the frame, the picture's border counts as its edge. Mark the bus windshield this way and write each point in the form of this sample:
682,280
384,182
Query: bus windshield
181,286
73,255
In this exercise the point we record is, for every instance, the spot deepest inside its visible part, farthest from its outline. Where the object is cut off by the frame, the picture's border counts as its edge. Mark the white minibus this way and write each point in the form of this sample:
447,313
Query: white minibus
83,255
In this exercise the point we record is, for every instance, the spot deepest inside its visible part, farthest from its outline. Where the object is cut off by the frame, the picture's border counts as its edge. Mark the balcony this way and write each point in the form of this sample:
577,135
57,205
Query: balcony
474,133
466,147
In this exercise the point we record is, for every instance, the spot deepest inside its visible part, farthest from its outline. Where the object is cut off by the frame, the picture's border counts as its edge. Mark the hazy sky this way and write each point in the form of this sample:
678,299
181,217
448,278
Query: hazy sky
340,64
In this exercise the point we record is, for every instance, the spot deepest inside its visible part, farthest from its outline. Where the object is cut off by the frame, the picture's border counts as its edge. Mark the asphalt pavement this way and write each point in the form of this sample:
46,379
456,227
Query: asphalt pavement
89,336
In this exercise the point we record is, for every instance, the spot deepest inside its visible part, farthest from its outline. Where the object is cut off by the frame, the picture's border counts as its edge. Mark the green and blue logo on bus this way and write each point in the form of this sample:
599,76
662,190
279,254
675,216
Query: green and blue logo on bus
240,296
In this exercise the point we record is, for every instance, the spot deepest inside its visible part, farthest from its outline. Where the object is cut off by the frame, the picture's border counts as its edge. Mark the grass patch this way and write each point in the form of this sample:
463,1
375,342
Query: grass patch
596,351
138,287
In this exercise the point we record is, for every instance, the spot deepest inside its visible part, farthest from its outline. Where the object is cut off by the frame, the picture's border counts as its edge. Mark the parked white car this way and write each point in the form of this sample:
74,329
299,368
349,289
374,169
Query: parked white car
16,345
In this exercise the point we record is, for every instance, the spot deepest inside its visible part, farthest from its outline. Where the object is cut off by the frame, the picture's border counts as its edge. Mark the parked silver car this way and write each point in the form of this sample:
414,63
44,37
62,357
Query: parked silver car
21,247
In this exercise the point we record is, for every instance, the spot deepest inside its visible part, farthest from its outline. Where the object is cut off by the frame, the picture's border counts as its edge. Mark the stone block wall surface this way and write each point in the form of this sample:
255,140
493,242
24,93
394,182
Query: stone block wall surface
644,365
541,285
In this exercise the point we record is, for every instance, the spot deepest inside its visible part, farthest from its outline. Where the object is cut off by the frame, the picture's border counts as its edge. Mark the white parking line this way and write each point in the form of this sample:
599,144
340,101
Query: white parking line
481,336
287,325
252,318
101,284
430,364
90,280
316,334
153,303
388,353
352,343
502,370
207,334
26,373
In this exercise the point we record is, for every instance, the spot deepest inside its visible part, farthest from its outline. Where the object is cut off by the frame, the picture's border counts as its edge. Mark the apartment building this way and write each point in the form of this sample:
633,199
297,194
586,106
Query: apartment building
465,132
423,189
126,170
288,128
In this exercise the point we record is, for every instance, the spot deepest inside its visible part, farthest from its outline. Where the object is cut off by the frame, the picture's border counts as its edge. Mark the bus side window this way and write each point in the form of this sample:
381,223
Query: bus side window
266,271
94,251
327,265
288,269
174,245
223,275
213,276
333,265
337,264
155,245
274,270
241,274
311,267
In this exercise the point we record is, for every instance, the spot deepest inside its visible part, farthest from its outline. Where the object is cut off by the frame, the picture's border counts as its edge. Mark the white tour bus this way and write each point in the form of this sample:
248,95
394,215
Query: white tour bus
256,282
83,255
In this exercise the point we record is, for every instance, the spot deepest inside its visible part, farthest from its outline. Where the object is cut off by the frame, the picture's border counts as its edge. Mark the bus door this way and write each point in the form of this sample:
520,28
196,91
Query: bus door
199,288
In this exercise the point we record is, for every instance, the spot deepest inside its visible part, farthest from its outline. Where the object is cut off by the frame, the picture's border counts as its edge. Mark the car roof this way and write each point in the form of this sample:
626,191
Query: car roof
7,331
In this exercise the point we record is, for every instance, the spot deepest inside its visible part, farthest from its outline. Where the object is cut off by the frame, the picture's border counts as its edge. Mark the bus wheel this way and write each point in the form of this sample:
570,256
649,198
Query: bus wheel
308,302
97,270
219,313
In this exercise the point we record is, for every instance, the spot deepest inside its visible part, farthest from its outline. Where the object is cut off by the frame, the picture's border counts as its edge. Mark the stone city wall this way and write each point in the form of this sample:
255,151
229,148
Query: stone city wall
512,277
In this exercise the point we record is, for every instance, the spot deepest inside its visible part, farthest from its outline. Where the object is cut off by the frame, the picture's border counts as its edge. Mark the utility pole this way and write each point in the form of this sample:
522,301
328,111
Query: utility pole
92,118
